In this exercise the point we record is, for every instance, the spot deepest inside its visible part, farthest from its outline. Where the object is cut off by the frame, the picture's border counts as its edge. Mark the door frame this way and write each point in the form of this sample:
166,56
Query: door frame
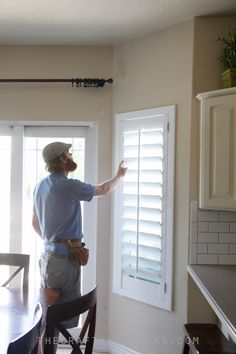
91,167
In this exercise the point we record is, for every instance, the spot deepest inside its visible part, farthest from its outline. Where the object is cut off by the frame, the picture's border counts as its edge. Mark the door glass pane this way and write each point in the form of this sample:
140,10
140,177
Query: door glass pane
5,181
34,171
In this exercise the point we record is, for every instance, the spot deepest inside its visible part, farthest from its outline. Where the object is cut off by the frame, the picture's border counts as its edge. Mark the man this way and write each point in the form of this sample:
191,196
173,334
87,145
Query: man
57,217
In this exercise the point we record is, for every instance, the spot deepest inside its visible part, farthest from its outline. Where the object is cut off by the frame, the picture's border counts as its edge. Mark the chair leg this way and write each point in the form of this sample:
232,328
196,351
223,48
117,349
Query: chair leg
185,346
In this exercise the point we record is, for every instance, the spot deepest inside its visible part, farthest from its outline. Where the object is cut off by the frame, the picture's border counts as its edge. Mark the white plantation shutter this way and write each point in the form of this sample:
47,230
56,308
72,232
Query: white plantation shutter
141,207
142,203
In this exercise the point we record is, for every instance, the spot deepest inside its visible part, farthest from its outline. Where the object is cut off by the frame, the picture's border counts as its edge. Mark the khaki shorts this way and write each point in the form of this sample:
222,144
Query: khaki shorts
60,273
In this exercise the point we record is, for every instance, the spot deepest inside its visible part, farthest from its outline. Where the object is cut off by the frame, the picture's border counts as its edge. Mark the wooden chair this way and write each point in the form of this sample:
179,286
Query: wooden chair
19,260
61,312
206,338
28,342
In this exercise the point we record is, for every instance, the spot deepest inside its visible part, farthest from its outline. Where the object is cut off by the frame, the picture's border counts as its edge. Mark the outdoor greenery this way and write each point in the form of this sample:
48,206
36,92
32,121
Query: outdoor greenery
228,55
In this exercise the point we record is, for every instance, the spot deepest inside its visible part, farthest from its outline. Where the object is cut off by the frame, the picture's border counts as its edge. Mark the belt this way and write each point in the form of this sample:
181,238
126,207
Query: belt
64,256
76,241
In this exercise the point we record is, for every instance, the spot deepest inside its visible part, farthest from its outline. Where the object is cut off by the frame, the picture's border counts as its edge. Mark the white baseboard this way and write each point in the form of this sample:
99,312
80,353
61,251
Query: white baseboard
108,346
101,345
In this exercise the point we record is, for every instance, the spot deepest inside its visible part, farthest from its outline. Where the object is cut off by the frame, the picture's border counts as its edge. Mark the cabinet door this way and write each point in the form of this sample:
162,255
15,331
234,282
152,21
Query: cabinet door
218,153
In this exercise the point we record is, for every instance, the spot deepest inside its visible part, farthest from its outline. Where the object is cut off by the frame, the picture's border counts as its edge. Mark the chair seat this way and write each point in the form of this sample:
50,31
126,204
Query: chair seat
205,338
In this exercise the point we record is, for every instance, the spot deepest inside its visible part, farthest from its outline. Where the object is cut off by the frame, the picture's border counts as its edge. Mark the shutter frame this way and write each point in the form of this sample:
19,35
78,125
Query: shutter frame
129,280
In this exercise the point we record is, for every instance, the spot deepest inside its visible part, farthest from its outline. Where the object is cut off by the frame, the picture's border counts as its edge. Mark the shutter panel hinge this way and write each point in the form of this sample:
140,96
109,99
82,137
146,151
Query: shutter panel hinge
168,126
163,291
165,286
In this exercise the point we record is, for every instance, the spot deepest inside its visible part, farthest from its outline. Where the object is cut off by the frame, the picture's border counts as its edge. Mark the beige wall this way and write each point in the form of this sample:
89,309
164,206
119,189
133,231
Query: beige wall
206,77
151,72
66,103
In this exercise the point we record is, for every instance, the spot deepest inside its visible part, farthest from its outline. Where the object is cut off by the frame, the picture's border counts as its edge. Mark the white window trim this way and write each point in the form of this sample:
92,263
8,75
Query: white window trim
162,296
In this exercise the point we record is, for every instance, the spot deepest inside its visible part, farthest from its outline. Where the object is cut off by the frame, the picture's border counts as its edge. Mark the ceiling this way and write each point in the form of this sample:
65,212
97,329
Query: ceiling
97,21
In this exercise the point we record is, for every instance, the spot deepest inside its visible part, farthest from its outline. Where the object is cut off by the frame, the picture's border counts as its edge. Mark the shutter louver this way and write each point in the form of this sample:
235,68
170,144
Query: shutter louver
142,204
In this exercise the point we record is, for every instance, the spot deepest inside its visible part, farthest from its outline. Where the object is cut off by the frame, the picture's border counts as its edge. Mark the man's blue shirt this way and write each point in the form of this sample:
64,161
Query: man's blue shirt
57,205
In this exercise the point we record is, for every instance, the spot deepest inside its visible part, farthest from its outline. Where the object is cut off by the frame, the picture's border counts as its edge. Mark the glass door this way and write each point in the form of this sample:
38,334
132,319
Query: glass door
5,151
21,150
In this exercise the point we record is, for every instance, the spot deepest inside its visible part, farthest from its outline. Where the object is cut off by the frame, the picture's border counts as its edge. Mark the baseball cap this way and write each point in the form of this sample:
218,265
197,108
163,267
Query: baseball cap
55,149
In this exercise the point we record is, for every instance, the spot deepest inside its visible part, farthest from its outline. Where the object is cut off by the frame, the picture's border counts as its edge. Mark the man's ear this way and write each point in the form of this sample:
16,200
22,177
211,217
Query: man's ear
63,158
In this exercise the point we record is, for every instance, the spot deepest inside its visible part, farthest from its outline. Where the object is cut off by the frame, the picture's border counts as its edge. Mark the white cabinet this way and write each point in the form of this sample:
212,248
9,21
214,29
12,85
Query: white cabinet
217,189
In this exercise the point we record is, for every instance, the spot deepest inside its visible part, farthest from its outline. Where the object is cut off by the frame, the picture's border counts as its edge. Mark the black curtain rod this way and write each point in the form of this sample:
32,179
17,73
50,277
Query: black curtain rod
86,82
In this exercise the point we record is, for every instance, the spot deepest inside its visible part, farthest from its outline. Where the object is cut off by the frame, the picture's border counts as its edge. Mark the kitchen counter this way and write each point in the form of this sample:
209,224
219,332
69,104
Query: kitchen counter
218,285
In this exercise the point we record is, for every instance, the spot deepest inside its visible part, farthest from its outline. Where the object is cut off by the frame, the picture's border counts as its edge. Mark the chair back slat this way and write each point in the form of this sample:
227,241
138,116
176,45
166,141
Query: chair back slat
18,260
61,312
66,310
86,323
28,342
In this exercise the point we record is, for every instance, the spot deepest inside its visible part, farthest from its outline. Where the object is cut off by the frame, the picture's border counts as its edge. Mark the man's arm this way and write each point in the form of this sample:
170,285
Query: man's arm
107,186
35,224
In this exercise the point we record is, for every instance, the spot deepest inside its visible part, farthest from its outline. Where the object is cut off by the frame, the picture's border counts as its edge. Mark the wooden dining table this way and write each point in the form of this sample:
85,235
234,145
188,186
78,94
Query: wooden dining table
17,306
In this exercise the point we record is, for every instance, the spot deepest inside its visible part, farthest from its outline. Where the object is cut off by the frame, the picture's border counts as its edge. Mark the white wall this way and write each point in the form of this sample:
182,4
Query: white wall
155,71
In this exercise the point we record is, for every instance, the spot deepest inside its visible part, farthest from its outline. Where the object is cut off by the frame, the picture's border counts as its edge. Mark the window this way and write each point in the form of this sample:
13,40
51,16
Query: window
21,147
143,206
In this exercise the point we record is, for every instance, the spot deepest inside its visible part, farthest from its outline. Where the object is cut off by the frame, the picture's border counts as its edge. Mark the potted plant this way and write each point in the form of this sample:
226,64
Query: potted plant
228,57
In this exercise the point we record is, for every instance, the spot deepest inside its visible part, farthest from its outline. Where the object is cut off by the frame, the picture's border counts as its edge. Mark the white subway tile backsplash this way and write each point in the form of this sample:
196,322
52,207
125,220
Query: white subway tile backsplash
202,248
207,215
232,248
227,237
227,216
212,236
218,226
227,259
218,248
208,237
193,253
203,226
193,232
232,227
207,259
